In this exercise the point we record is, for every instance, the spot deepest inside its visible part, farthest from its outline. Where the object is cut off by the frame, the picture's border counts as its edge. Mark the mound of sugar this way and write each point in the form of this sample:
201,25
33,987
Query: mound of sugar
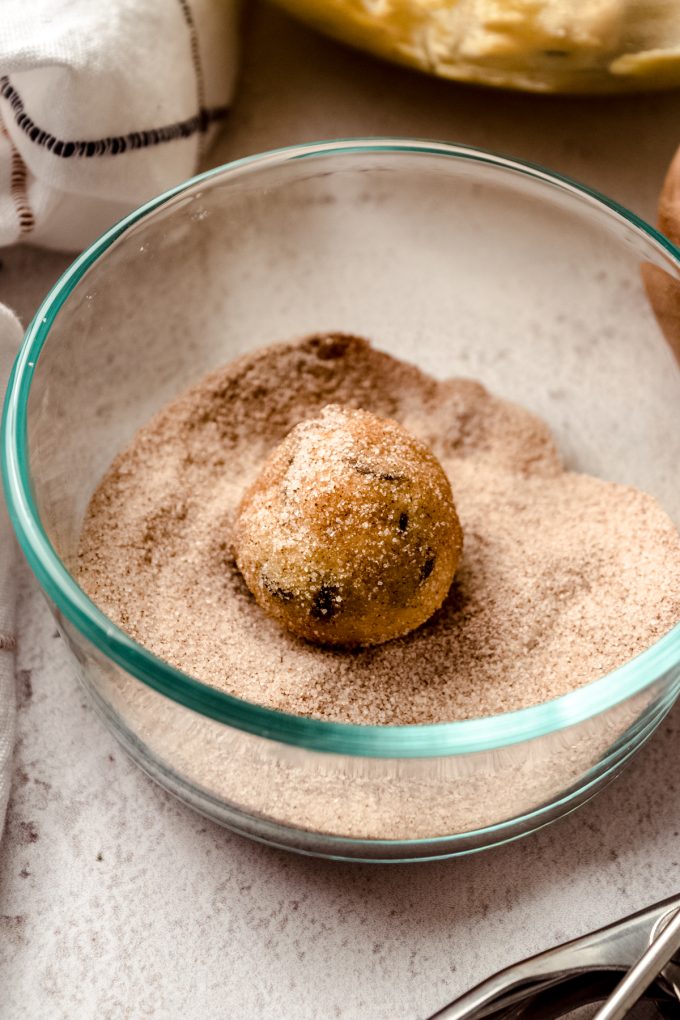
563,576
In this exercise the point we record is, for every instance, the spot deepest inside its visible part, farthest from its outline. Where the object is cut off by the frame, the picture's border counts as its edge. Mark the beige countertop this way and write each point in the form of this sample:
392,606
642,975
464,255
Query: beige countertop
115,900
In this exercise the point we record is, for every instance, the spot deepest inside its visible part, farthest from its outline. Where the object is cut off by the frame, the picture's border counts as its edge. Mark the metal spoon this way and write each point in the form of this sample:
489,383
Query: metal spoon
585,971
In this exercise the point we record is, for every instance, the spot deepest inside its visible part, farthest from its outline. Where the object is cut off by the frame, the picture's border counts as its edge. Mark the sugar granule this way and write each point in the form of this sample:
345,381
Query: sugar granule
563,578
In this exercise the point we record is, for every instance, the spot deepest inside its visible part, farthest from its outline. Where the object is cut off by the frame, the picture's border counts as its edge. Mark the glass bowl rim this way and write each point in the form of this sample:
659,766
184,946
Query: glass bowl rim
404,741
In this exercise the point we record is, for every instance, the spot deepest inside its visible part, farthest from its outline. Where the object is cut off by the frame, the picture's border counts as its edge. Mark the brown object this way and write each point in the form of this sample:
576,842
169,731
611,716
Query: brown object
663,289
563,576
349,535
669,202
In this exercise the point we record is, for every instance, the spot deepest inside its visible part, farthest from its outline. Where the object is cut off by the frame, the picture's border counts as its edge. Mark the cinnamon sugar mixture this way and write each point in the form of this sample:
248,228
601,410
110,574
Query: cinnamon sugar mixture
563,576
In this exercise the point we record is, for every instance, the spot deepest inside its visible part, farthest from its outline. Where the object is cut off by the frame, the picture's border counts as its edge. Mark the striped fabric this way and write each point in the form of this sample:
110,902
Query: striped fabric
103,105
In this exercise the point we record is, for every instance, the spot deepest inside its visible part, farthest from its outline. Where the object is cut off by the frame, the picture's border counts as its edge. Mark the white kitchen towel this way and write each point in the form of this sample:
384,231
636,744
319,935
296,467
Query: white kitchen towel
104,105
10,335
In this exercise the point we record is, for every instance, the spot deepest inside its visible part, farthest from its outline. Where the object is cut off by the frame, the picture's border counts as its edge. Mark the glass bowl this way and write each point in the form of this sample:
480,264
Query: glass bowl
460,260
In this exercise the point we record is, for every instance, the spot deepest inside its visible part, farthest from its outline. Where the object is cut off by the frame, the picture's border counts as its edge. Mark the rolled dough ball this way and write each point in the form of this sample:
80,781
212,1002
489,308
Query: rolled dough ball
349,535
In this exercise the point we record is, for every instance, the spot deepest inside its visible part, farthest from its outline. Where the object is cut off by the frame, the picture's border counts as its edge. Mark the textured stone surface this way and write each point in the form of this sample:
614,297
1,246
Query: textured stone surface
116,901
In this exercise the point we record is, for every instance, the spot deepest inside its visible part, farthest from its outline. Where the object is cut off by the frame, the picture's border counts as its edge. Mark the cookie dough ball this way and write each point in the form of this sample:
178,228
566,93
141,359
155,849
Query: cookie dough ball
349,536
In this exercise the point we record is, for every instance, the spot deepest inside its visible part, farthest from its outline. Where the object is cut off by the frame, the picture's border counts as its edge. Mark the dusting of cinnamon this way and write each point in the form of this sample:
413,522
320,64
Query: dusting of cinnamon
349,535
563,576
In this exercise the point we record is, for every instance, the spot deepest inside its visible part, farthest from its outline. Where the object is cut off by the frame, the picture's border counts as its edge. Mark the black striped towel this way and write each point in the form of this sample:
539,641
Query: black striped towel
102,106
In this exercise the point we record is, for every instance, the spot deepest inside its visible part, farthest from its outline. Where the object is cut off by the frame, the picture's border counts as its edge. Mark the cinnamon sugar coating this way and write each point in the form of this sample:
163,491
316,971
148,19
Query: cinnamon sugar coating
349,535
563,576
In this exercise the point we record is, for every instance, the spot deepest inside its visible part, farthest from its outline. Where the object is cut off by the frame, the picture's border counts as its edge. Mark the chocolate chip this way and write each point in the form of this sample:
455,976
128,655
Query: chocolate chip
276,591
427,567
403,521
330,347
325,604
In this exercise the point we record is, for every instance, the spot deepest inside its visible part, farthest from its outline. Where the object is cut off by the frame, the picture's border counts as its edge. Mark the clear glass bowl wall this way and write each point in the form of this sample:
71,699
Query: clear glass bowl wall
534,285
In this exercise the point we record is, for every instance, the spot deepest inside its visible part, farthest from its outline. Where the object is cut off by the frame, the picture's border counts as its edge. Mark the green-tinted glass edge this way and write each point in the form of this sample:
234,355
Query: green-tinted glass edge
372,741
